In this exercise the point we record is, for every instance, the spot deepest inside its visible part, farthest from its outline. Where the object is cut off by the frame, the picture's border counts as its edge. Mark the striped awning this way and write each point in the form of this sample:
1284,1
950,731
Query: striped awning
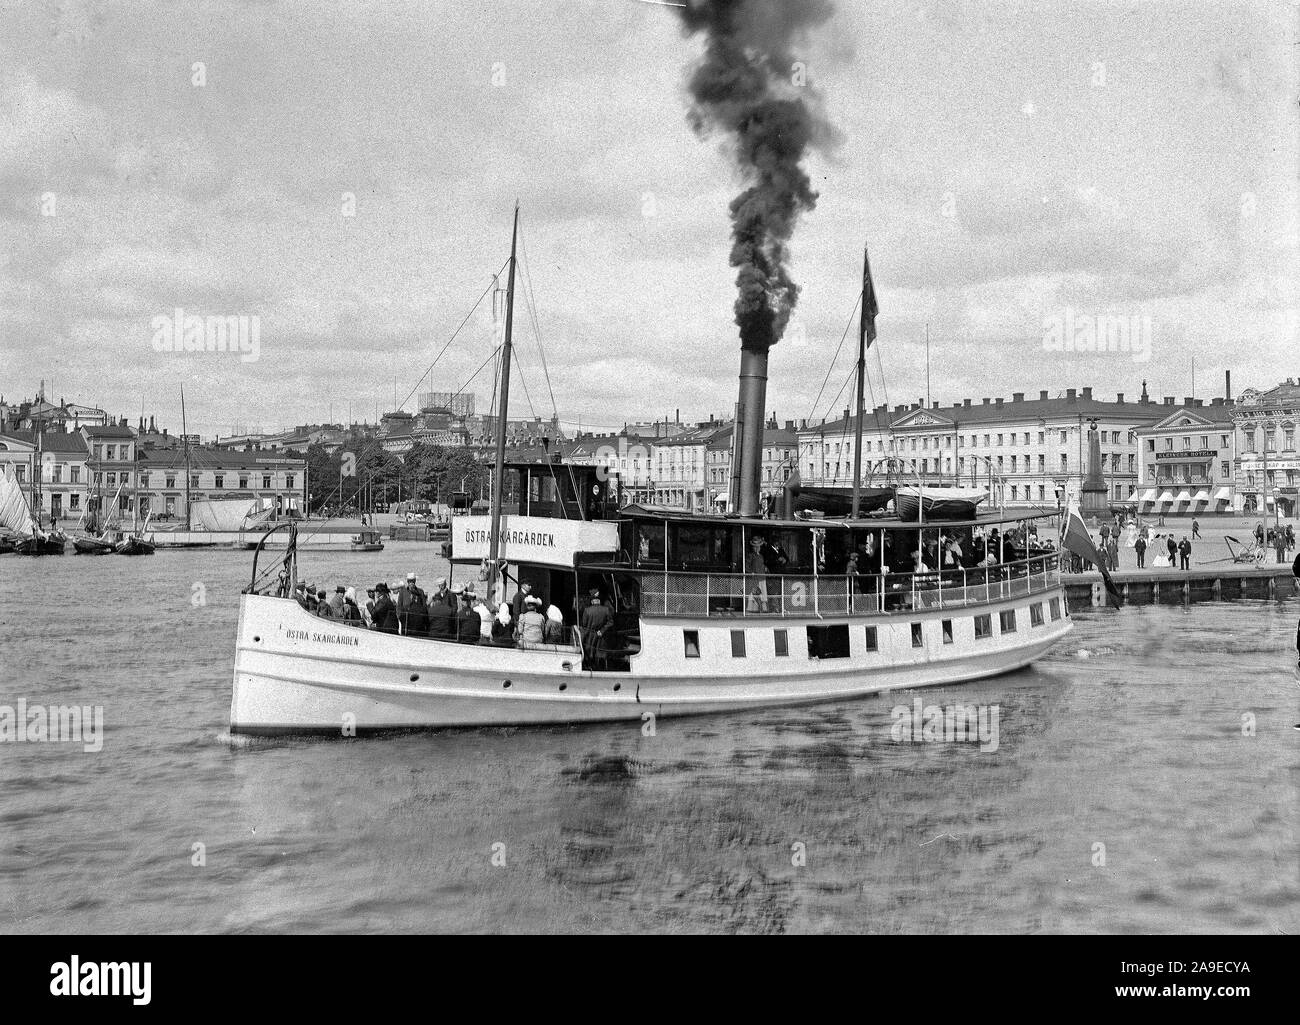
1166,496
1202,496
1223,495
1149,495
1184,495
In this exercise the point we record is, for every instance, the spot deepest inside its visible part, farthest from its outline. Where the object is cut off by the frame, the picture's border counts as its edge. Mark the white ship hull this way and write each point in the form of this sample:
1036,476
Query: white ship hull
296,673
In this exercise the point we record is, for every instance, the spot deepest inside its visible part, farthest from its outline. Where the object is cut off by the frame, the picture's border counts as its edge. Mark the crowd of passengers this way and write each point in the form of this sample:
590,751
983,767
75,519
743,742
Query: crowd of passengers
939,549
451,613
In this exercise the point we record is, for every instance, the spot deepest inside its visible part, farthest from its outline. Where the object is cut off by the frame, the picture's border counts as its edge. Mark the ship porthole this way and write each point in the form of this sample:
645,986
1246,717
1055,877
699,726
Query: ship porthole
506,685
257,640
414,677
564,686
617,686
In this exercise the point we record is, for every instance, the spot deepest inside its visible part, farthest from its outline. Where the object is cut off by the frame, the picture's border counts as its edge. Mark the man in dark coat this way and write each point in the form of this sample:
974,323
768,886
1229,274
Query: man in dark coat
385,611
409,599
517,602
1185,553
468,624
595,622
1140,547
1172,545
442,619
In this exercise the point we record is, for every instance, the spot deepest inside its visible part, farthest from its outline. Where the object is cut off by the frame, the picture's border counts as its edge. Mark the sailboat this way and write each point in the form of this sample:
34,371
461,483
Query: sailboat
101,541
664,613
23,534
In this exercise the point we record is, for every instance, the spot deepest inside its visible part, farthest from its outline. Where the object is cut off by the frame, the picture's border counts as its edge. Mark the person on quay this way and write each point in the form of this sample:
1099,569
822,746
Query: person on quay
531,626
1196,529
1112,551
336,601
1140,547
1172,546
468,625
1290,537
442,615
1279,545
408,598
351,613
1185,553
1259,533
553,632
502,632
385,611
595,622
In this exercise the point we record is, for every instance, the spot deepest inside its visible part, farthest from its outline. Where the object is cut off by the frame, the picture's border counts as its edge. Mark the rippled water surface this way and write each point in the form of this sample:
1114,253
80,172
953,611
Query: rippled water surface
1138,746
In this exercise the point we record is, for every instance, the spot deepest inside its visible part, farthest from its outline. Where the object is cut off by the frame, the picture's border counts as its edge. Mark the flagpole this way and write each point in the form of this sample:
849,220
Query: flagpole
865,324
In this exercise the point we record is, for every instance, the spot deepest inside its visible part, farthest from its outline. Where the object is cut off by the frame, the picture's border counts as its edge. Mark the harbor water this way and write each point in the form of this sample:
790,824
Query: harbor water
1143,778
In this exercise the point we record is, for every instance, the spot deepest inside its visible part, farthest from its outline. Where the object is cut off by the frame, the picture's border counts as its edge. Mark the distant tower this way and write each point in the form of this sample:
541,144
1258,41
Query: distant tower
1144,390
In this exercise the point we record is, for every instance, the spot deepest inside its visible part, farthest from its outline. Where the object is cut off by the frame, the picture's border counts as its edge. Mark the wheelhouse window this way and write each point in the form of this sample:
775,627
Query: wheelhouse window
947,631
782,643
691,638
918,637
1007,621
1054,606
873,641
737,643
1036,614
983,626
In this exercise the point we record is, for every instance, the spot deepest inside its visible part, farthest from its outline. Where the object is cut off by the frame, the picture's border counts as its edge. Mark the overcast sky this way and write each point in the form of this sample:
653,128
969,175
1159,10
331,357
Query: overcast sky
1004,162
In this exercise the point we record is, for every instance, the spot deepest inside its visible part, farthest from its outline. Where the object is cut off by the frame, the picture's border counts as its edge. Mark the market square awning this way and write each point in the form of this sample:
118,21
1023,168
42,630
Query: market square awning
1166,496
1149,495
1223,495
1184,495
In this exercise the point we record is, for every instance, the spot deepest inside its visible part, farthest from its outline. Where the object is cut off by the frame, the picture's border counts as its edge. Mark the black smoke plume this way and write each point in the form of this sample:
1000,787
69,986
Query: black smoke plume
744,86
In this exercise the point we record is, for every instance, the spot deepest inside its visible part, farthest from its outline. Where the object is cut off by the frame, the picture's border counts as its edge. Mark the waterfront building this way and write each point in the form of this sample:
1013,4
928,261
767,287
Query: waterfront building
678,473
1186,461
625,452
278,481
1267,463
1026,451
780,452
110,463
60,465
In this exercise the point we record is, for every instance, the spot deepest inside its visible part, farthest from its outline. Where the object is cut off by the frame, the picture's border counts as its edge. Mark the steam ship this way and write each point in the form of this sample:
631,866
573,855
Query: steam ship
699,621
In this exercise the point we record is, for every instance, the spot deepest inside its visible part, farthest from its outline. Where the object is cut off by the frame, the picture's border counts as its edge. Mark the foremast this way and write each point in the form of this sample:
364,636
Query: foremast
498,472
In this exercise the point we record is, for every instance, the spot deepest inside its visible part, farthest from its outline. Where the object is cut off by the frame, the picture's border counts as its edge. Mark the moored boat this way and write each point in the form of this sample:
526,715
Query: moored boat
88,545
912,503
367,540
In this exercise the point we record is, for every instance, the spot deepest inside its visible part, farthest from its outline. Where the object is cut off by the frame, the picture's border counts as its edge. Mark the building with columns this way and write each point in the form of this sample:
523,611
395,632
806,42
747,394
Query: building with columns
1187,461
1267,462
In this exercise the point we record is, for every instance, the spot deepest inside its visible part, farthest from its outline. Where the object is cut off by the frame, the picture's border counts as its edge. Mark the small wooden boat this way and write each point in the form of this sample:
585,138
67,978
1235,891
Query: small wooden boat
134,544
86,544
368,541
937,503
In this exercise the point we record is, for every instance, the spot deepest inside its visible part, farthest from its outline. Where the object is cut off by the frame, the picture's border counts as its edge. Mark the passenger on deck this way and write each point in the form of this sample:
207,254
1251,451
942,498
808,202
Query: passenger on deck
385,611
368,609
442,616
336,602
553,632
302,598
485,616
756,582
442,593
596,621
351,614
323,608
502,632
467,621
408,598
521,596
531,628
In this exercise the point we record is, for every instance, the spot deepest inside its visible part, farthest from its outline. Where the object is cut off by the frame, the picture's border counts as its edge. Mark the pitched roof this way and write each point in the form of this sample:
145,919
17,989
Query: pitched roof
53,441
111,431
773,437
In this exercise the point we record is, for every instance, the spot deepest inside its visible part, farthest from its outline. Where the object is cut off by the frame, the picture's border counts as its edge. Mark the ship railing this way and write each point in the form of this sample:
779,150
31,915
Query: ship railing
729,595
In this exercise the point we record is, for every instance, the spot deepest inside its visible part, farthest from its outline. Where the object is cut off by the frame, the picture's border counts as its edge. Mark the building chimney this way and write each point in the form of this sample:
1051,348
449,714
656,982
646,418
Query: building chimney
1119,397
1189,401
986,400
1216,402
789,425
965,403
1042,395
1227,384
1017,396
998,401
1070,394
936,405
1087,393
1169,400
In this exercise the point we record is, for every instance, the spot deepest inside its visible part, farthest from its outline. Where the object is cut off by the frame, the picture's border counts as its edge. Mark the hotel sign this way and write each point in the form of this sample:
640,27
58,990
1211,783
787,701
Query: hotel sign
1204,453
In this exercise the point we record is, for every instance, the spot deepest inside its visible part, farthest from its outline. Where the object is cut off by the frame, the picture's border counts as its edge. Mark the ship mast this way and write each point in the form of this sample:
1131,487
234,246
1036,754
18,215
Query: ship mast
866,334
185,439
498,475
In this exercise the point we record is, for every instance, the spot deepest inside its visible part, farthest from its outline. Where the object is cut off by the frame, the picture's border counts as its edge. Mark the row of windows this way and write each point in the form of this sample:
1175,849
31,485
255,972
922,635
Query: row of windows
833,641
945,441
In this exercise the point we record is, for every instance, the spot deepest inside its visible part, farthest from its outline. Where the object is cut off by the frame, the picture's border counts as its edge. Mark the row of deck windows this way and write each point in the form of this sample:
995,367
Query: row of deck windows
833,641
